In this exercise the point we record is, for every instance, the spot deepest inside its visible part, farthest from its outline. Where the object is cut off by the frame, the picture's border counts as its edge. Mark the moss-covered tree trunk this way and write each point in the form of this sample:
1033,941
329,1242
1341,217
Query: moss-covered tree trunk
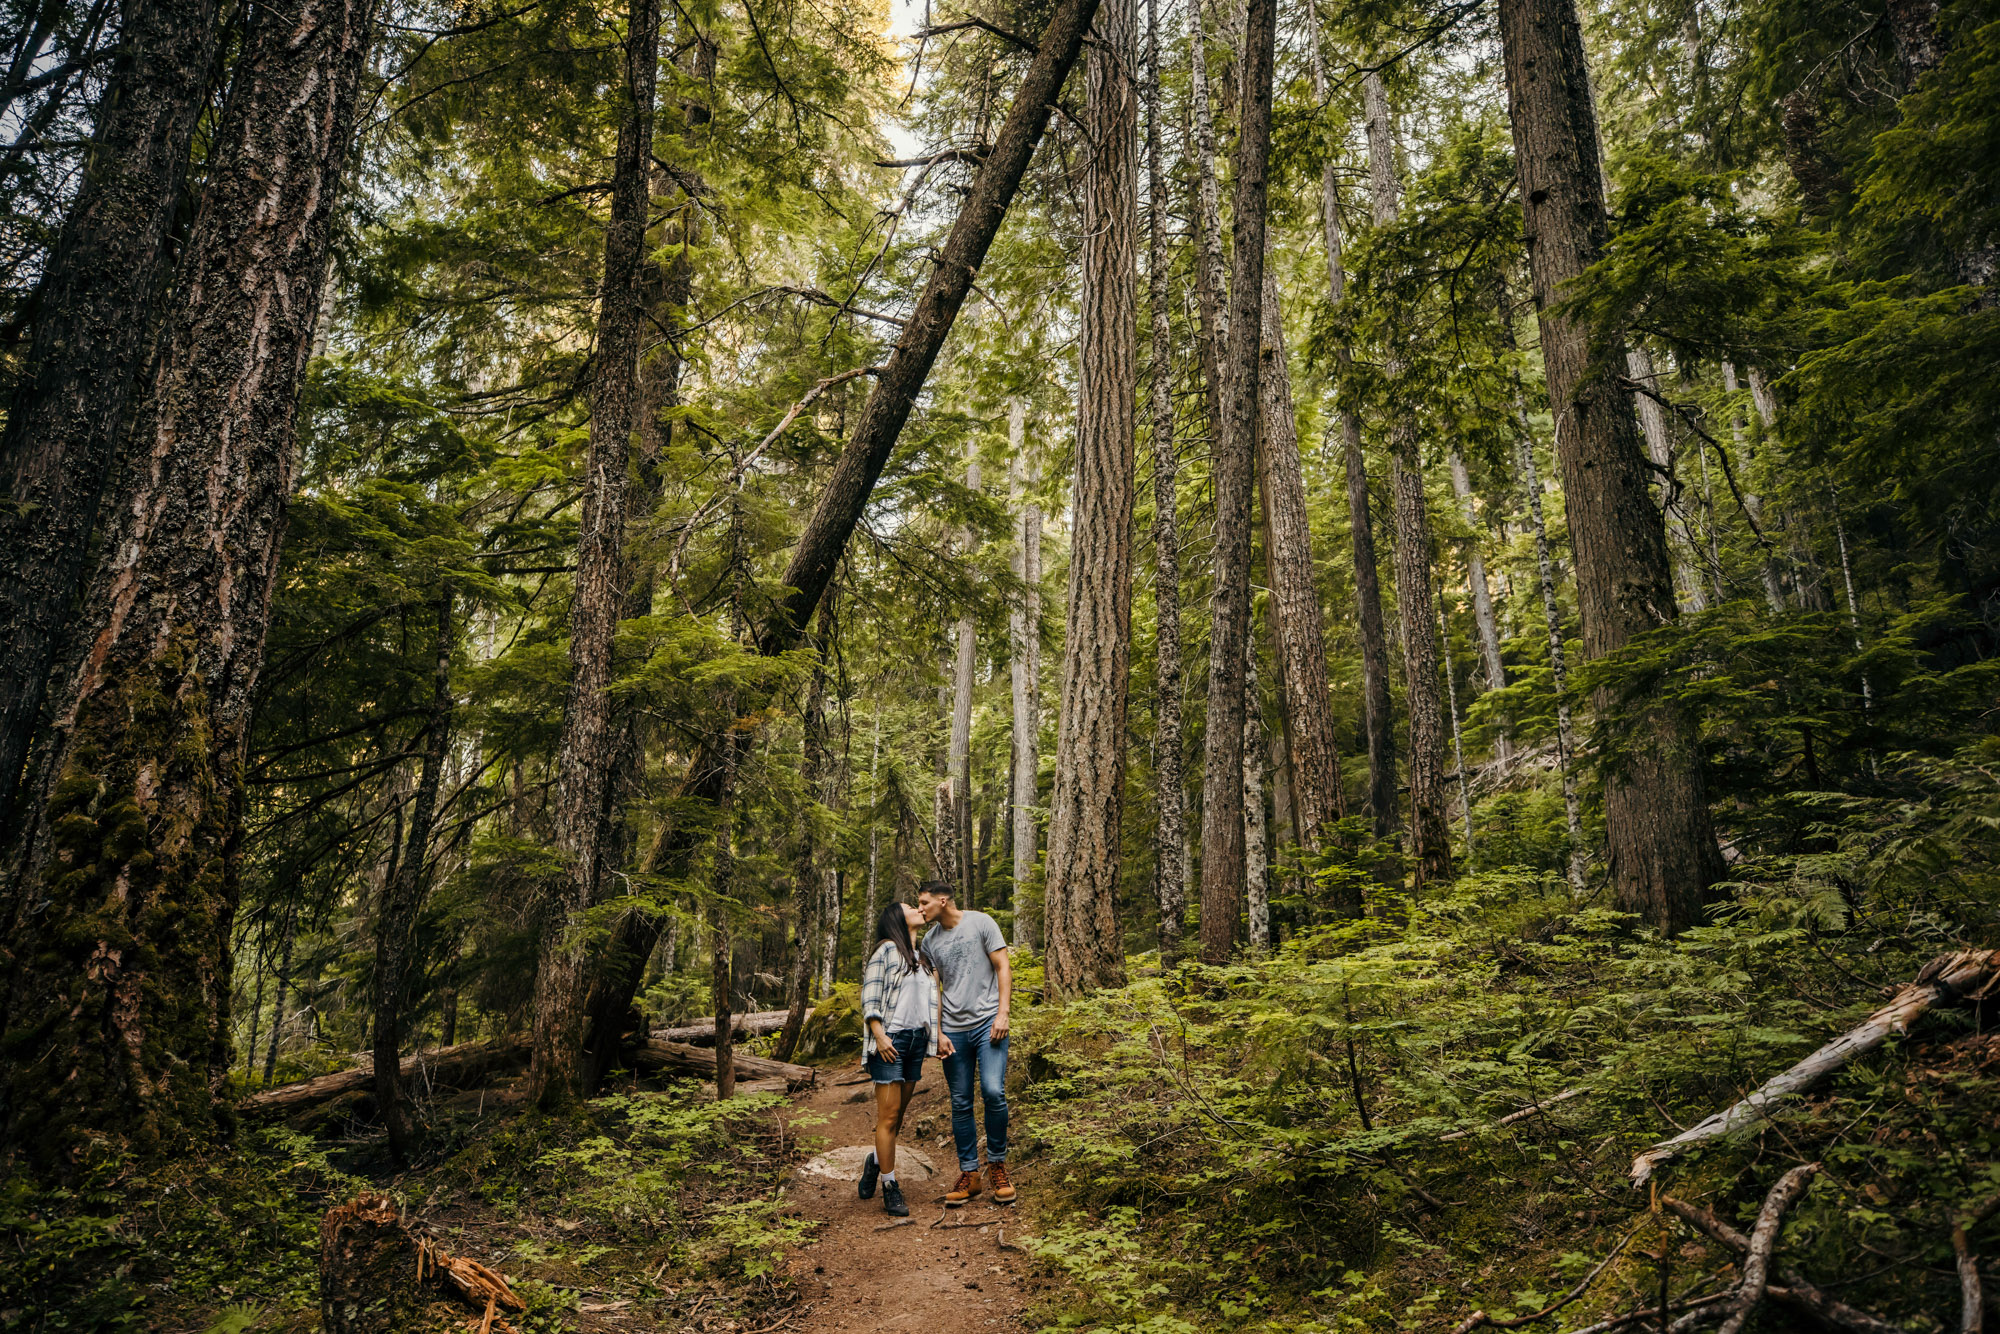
1169,758
1661,848
590,736
92,335
117,995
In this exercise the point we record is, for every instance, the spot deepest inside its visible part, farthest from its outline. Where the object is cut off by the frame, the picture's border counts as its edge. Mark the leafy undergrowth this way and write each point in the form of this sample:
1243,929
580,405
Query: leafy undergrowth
1310,1142
657,1206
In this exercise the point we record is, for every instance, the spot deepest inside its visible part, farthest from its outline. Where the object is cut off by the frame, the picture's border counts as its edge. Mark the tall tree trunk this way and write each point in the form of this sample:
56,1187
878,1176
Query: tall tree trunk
1660,448
958,767
1662,852
117,993
403,900
93,334
1377,714
1212,330
603,574
1558,669
807,892
1169,759
278,1000
1086,809
1234,470
1457,739
1475,571
1430,829
1296,616
1025,639
721,884
1256,832
1753,504
852,480
874,836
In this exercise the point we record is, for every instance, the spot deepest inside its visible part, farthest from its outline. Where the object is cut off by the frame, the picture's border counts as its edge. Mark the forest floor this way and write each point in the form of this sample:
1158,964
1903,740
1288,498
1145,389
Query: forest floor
947,1270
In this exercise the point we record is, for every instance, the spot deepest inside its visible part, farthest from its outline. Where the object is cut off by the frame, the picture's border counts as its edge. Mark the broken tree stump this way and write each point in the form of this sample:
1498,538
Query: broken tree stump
378,1276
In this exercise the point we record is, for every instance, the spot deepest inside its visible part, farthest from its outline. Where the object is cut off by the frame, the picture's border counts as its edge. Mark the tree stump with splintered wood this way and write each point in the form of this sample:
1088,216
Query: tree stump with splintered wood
367,1269
376,1276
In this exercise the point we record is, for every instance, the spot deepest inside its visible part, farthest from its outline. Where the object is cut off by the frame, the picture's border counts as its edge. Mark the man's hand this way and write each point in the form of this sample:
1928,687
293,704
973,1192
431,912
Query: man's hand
886,1049
944,1047
999,1030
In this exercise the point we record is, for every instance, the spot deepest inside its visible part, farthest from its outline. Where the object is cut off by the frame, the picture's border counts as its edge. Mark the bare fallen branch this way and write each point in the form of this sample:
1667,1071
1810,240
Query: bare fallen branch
1795,1290
1521,1115
1971,1293
1946,980
1764,1240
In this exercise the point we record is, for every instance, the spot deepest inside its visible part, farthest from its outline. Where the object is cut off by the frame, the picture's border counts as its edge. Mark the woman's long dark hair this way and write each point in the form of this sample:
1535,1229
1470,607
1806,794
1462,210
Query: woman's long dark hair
893,927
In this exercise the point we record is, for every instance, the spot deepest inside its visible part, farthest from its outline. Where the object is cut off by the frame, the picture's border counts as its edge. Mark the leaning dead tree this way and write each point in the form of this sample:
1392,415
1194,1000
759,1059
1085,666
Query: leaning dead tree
1949,979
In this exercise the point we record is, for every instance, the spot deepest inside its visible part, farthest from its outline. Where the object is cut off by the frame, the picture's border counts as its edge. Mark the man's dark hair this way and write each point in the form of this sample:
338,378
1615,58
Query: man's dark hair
937,889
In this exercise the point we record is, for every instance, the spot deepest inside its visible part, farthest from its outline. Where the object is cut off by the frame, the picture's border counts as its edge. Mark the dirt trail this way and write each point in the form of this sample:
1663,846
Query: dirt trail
941,1272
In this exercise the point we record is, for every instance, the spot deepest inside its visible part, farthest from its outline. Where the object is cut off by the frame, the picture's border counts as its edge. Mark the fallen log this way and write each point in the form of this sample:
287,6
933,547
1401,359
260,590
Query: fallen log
375,1273
701,1061
467,1060
1946,980
701,1033
1792,1289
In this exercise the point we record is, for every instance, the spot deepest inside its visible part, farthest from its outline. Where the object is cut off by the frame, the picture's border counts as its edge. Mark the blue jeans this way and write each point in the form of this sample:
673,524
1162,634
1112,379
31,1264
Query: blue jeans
975,1050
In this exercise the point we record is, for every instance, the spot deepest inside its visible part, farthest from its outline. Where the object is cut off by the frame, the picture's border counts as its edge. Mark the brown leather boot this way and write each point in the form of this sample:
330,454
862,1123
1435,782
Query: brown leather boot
1003,1189
967,1187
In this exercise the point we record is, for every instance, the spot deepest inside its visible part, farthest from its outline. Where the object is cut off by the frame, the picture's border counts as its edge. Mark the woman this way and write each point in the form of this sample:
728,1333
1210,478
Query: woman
899,1001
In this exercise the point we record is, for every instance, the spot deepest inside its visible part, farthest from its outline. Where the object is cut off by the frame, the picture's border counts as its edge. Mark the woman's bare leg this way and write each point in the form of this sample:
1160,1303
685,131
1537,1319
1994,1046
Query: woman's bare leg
888,1123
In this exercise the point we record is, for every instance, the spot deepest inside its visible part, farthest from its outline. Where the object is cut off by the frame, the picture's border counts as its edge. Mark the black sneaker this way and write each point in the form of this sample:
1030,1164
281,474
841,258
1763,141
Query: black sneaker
892,1200
869,1171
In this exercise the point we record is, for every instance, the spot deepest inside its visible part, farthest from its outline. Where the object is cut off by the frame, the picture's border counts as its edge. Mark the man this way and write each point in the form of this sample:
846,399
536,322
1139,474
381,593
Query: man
975,991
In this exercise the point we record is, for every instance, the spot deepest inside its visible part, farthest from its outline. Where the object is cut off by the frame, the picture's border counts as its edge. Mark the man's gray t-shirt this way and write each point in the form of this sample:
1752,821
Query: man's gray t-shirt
970,982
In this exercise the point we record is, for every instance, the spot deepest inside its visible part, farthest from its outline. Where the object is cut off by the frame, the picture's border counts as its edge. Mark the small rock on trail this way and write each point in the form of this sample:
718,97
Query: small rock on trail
944,1271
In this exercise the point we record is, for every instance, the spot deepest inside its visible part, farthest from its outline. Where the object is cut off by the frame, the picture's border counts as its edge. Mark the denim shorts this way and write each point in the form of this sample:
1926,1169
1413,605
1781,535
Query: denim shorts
909,1063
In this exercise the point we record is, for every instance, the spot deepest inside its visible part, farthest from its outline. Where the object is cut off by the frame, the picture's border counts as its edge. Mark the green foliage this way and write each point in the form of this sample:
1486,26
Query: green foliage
128,1249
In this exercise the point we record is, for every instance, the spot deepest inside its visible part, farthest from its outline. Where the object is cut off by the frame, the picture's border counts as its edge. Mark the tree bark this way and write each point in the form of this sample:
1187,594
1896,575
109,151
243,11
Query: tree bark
958,765
1025,639
875,834
860,464
1086,808
1662,851
1660,448
1377,710
1256,832
806,870
1234,470
603,575
93,333
1169,759
1211,331
116,1000
1295,608
1430,829
1475,571
403,898
721,885
1558,669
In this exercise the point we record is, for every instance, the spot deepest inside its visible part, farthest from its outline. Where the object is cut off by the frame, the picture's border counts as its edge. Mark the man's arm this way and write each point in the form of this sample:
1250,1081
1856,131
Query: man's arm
1005,973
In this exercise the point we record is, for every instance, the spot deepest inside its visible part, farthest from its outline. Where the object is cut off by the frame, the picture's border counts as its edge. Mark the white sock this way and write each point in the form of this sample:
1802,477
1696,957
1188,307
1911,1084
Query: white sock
888,1176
